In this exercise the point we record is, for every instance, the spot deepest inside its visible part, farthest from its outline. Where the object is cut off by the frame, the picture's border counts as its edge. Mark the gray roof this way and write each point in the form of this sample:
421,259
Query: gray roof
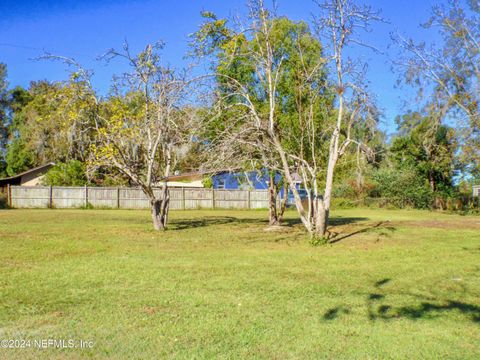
35,169
297,178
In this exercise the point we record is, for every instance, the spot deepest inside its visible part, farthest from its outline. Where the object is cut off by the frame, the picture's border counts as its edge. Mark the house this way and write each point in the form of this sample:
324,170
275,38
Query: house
241,180
254,180
476,190
232,180
30,177
227,179
247,180
224,180
191,179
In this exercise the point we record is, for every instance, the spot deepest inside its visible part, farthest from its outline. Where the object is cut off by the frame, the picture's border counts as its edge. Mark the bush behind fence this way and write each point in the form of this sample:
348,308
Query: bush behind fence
461,203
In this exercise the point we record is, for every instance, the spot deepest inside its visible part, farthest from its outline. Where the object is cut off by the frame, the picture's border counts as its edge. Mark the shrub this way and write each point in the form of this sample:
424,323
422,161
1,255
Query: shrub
343,203
71,173
403,188
207,182
3,201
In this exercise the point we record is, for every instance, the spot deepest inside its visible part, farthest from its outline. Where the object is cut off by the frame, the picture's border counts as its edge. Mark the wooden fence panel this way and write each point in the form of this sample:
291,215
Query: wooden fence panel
231,199
30,197
68,197
176,199
134,198
259,199
198,198
131,198
103,197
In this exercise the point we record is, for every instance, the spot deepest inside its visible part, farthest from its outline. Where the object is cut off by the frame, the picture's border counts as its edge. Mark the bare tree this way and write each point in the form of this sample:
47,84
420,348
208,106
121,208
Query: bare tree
340,19
339,22
448,76
238,142
240,146
143,128
313,142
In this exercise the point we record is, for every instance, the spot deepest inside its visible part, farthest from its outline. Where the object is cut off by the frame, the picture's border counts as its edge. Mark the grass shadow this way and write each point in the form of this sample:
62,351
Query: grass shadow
337,237
382,282
212,221
182,224
425,309
338,221
291,222
380,308
335,312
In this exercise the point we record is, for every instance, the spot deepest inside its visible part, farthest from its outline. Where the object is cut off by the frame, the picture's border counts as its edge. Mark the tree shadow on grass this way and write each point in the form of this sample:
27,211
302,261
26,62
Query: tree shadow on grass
378,307
182,224
339,220
335,221
333,313
473,250
427,309
335,237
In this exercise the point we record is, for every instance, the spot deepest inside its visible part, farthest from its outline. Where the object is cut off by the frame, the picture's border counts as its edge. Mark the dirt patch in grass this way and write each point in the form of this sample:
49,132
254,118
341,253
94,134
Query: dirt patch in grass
277,228
442,224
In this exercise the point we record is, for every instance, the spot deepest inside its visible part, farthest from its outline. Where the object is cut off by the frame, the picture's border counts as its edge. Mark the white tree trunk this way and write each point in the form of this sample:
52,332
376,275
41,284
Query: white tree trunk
276,208
160,209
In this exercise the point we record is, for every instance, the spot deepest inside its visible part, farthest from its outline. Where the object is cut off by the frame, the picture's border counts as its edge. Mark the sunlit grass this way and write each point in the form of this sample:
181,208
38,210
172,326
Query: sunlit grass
395,284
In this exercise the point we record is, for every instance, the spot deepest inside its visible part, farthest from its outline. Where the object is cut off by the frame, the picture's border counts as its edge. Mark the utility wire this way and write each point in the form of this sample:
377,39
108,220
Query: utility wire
38,49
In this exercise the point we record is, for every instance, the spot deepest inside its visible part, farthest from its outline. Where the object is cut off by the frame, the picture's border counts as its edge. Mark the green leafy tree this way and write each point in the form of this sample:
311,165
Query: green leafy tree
275,74
19,157
295,52
448,73
144,126
72,173
427,147
402,187
4,121
50,122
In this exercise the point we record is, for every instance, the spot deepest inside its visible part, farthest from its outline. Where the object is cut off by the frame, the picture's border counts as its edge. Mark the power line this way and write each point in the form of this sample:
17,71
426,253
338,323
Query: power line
38,49
21,46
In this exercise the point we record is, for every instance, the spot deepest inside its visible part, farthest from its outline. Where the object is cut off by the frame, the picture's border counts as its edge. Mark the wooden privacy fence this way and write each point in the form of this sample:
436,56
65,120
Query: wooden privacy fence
132,198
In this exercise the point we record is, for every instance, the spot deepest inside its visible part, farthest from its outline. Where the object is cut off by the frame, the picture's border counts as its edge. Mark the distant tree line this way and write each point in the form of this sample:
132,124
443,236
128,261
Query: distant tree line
281,96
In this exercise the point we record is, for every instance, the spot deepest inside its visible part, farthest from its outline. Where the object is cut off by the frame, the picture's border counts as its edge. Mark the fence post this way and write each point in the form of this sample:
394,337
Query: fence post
86,196
249,206
213,198
50,197
183,197
9,196
118,197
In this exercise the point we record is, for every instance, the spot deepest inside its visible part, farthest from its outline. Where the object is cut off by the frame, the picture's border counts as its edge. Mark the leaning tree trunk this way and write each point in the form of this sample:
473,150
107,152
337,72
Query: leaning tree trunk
323,204
272,201
291,184
283,204
322,215
160,209
276,208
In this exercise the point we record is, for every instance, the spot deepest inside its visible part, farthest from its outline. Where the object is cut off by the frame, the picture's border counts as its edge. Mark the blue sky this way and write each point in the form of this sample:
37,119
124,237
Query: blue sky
85,29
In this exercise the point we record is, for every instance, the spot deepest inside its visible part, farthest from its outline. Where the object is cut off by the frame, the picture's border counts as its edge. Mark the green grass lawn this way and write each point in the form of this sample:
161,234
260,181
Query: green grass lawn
395,284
